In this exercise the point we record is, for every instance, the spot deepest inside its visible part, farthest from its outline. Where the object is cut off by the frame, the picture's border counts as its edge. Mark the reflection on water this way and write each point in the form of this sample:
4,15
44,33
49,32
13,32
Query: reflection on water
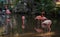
31,35
26,36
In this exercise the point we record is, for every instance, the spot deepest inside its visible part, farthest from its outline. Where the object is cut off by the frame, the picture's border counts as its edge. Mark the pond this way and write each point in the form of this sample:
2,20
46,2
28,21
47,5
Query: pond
31,34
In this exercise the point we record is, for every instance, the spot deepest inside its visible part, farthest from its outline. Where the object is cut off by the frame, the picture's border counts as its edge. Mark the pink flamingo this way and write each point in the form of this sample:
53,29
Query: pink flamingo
23,19
47,25
40,18
7,10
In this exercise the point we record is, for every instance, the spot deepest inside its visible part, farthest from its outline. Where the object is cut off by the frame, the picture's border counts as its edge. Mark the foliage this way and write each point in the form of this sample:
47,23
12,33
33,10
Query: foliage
46,5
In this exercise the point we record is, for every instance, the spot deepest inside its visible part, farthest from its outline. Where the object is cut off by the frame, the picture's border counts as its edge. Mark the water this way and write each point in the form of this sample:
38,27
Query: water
51,34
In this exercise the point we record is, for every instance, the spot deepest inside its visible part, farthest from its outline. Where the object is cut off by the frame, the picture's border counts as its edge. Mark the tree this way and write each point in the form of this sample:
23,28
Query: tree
1,4
46,5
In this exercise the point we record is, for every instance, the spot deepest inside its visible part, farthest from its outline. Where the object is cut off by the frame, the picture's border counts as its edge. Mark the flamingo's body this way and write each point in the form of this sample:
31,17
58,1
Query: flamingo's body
47,24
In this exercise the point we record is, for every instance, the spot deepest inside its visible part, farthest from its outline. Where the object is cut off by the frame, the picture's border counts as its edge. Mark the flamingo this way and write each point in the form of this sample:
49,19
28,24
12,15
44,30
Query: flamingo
23,19
47,25
40,18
